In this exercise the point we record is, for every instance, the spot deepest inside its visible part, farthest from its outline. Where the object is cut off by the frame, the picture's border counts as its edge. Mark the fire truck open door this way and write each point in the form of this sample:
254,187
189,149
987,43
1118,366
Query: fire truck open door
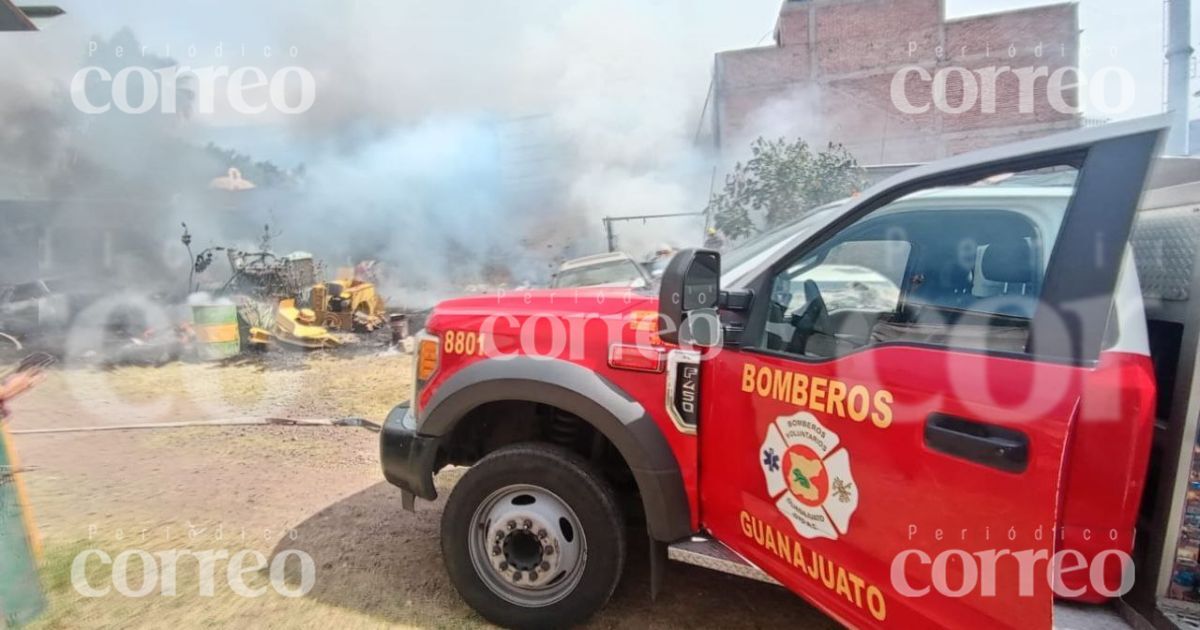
888,438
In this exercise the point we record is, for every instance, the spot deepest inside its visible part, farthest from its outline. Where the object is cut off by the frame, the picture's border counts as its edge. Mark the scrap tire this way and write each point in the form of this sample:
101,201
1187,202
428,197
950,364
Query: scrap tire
570,478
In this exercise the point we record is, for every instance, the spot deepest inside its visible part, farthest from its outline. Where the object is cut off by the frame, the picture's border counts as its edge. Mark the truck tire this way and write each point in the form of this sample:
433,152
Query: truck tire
532,537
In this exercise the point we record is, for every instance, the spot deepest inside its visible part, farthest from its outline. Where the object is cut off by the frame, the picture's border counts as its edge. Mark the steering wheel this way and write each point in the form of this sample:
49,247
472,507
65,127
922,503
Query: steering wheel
814,318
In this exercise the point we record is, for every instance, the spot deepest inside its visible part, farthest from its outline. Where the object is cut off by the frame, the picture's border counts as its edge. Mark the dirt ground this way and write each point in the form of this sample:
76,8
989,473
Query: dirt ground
273,488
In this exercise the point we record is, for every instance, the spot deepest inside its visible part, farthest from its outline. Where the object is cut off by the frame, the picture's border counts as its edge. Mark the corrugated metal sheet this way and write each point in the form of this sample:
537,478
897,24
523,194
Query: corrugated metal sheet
1164,246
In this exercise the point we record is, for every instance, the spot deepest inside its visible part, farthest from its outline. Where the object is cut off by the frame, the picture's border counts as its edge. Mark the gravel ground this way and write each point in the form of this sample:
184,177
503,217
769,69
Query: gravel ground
273,488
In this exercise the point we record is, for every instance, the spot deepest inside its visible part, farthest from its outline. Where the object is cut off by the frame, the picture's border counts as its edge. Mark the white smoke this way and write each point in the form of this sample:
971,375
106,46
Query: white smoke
445,137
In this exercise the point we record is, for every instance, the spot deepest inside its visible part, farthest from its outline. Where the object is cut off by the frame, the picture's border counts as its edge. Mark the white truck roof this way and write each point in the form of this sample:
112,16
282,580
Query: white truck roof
595,259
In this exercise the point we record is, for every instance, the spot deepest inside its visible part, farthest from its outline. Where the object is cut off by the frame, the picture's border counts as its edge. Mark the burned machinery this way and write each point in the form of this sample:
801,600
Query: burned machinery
259,274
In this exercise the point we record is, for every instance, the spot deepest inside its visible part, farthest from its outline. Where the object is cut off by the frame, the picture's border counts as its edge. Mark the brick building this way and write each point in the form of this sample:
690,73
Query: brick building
831,75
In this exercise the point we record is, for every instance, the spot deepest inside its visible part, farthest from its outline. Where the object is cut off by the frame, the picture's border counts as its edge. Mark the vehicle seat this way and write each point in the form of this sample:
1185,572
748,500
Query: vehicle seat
949,287
1009,263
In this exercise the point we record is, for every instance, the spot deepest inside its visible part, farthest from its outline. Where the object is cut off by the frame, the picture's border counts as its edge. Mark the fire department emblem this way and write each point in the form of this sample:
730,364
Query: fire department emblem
808,476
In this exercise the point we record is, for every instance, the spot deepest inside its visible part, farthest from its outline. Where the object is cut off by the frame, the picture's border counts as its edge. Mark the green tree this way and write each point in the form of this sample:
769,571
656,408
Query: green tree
781,181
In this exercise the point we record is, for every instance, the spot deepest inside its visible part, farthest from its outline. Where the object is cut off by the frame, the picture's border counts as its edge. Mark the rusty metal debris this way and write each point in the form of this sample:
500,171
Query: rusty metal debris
280,298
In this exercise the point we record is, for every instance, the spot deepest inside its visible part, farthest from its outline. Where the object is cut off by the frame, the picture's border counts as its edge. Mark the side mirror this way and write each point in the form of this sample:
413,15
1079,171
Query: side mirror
687,298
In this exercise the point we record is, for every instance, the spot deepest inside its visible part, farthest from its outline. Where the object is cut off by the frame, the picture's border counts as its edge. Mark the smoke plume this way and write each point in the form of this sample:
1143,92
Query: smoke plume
457,142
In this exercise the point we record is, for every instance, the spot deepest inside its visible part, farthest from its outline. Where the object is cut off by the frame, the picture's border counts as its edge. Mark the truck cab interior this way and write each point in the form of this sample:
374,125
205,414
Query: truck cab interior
962,277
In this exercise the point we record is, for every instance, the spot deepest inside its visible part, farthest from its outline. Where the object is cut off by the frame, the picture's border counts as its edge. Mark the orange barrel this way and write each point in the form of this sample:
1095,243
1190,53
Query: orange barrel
216,328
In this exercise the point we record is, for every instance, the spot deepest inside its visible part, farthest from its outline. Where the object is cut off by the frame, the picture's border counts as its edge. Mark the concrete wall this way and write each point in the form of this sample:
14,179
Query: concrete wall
829,78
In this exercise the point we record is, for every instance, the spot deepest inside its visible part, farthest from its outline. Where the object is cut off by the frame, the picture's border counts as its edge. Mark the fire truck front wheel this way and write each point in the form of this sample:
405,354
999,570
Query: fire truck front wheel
532,537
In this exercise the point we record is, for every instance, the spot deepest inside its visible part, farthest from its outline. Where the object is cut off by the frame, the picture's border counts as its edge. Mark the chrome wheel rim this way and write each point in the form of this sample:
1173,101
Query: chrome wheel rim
527,545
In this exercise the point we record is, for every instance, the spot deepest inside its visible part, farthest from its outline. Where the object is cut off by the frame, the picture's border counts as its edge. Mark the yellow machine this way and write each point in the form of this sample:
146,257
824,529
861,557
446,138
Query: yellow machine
344,305
295,327
347,304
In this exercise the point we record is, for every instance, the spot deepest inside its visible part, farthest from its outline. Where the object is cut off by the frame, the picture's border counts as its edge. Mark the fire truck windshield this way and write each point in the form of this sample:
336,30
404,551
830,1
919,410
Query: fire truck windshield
746,256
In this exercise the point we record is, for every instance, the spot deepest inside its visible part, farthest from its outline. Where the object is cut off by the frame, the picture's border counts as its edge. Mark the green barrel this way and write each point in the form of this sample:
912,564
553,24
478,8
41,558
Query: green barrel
216,328
21,598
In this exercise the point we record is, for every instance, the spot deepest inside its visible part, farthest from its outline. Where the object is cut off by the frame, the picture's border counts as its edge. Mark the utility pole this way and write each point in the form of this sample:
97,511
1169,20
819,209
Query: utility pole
612,238
1179,57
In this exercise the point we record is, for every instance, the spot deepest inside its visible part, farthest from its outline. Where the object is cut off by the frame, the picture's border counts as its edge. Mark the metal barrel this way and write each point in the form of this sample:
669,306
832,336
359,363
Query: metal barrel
399,325
216,328
21,597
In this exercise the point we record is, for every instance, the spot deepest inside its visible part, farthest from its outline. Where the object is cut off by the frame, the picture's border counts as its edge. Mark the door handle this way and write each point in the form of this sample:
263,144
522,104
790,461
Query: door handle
993,446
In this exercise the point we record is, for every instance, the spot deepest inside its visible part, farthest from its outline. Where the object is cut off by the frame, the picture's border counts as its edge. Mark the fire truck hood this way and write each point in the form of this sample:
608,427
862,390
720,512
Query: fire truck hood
550,302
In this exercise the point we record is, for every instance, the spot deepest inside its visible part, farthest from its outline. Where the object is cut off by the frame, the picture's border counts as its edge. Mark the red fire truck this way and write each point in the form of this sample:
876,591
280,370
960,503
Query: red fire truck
936,404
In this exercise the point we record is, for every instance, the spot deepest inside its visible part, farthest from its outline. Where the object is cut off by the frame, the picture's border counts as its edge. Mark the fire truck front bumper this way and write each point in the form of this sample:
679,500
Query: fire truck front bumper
408,458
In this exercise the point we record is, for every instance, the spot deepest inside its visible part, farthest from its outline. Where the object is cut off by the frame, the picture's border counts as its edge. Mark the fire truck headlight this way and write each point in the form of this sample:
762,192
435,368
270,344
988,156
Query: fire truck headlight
426,358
